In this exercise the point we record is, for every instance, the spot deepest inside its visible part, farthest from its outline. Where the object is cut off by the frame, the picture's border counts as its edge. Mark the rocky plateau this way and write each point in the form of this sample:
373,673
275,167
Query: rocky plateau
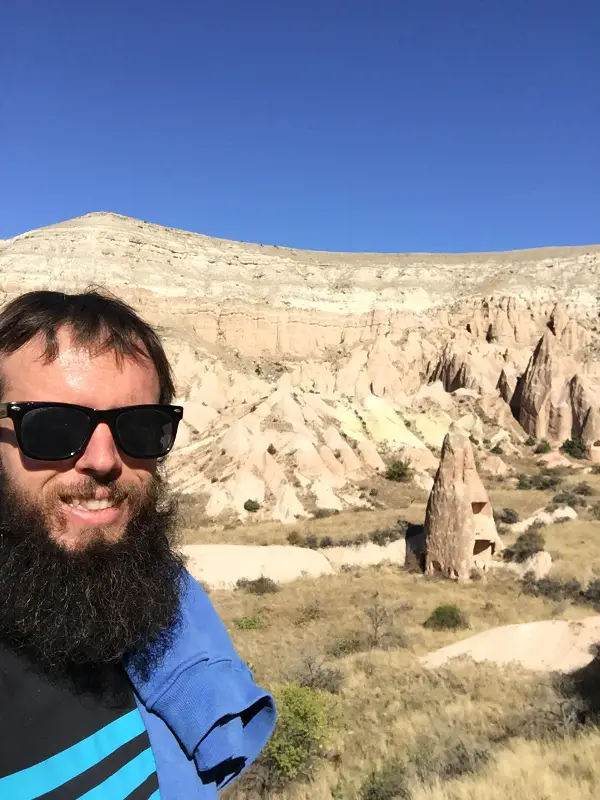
305,374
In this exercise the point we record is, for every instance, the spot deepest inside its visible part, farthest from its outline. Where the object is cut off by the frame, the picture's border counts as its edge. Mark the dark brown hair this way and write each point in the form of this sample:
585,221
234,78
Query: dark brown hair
97,320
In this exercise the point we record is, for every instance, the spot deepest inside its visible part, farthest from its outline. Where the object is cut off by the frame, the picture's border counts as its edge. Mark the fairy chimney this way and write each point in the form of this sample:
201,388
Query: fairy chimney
460,531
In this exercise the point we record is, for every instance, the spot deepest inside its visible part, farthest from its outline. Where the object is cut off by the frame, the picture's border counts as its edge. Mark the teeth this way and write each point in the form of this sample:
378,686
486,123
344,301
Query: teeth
92,505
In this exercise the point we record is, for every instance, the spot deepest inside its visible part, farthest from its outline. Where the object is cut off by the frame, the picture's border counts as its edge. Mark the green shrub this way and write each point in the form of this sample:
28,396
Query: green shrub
323,513
348,644
508,516
311,612
543,447
271,450
301,731
497,450
592,594
547,479
568,498
527,545
251,505
523,482
399,471
530,441
248,623
574,448
584,489
447,617
383,536
391,782
260,585
554,589
295,539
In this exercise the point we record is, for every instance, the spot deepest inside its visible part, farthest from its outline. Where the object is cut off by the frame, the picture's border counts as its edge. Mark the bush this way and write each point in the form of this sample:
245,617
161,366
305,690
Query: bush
447,617
595,511
545,480
323,513
568,498
248,623
389,783
347,645
527,545
311,612
596,469
399,471
302,727
508,516
554,589
584,489
543,447
314,673
251,505
592,594
295,539
260,585
574,448
271,450
383,536
530,441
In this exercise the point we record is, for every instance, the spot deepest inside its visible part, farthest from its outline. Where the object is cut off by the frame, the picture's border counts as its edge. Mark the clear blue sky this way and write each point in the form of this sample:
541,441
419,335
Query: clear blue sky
372,125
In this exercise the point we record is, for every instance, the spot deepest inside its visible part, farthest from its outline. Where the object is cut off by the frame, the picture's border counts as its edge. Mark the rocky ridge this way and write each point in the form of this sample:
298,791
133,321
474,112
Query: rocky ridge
304,373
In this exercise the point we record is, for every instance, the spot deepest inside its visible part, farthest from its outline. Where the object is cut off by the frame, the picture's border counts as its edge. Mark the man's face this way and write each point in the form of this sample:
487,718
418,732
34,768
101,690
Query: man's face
82,587
60,490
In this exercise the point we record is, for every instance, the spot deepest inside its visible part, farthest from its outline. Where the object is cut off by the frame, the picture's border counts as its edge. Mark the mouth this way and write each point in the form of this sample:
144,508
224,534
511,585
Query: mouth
93,512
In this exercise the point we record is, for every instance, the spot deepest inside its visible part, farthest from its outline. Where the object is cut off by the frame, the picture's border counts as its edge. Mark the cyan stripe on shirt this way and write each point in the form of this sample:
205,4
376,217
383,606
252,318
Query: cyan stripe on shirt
123,782
58,769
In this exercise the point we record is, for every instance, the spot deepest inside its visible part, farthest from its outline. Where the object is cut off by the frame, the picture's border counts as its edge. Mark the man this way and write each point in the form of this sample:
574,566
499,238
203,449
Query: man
117,679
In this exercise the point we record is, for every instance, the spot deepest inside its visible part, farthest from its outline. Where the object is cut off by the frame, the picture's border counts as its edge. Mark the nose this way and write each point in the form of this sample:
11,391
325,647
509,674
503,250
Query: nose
101,456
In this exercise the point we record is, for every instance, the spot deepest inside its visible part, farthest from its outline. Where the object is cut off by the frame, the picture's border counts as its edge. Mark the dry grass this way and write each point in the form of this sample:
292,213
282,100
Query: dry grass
339,526
389,705
522,738
565,770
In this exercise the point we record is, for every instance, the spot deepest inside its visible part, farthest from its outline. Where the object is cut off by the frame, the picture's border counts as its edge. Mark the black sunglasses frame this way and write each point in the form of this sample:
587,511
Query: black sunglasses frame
16,411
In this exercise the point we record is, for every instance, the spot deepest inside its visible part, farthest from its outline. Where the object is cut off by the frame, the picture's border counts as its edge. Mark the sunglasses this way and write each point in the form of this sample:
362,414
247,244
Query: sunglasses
59,431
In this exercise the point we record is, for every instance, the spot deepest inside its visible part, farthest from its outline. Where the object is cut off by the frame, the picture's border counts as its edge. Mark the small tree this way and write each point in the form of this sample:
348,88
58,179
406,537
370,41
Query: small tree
301,730
446,617
251,505
574,448
527,545
543,447
399,471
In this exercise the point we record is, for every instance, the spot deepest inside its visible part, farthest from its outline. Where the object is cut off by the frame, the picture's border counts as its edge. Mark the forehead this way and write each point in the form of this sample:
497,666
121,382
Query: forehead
77,376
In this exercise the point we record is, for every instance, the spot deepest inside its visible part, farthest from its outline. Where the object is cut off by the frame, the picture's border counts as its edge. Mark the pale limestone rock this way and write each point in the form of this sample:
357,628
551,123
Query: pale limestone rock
459,526
221,566
545,407
538,566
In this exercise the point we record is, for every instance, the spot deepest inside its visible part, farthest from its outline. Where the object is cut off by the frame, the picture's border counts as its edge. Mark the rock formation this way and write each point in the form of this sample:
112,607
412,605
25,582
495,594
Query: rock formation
460,531
303,373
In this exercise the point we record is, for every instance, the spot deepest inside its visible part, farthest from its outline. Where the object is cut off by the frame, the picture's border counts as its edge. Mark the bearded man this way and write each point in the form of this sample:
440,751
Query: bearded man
117,678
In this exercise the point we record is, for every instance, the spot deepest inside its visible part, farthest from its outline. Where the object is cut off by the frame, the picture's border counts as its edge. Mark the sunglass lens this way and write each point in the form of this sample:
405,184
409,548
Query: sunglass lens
146,432
54,433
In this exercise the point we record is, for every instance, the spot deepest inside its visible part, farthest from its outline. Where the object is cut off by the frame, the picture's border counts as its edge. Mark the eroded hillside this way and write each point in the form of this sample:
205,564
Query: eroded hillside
304,374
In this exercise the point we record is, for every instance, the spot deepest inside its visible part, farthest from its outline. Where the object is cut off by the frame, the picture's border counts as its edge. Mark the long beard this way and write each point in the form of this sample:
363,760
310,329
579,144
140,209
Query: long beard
72,613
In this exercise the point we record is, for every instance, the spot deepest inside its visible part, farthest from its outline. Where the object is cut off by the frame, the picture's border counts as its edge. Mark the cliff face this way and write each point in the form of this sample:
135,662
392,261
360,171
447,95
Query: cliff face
301,371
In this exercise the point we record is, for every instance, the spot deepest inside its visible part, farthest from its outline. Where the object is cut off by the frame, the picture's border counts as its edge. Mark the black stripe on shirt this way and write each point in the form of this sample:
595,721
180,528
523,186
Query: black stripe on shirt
97,774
